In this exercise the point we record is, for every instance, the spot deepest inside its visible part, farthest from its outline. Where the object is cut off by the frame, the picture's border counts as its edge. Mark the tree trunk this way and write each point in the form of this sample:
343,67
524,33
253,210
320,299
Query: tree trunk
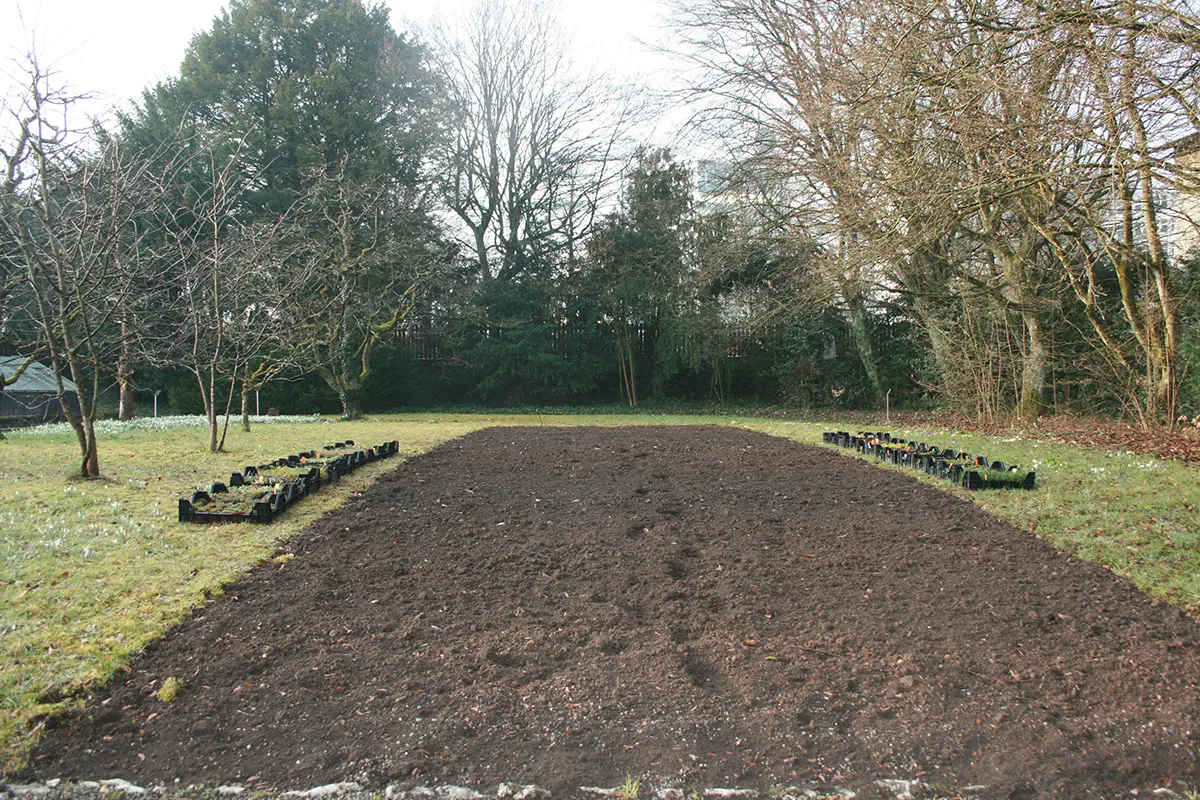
225,427
84,422
245,409
1168,383
125,406
91,454
939,341
125,410
1017,265
1033,370
210,413
351,400
860,328
625,368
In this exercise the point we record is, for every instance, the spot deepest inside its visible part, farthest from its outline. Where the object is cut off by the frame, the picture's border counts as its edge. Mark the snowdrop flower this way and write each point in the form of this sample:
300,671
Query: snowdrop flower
111,427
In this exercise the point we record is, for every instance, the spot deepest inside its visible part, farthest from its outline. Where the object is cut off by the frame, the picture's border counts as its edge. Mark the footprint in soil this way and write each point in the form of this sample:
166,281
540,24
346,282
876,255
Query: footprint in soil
700,672
676,570
638,530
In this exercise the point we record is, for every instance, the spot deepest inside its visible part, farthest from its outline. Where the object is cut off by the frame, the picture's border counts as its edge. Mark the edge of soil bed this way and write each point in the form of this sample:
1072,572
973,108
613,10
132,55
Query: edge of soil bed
641,788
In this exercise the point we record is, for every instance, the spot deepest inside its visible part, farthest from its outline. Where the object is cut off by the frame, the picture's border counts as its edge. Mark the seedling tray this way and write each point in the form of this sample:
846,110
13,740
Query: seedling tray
200,508
970,473
283,482
1013,478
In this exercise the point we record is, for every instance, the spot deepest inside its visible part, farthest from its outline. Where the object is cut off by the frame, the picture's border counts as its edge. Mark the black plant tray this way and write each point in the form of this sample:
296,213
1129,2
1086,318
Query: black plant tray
293,488
265,510
973,480
968,472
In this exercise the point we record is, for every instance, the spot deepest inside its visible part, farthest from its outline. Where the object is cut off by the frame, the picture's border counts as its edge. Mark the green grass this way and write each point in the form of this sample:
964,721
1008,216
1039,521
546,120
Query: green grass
91,571
631,789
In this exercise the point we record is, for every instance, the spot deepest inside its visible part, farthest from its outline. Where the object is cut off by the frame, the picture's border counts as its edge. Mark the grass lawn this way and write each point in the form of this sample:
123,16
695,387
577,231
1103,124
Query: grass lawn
90,571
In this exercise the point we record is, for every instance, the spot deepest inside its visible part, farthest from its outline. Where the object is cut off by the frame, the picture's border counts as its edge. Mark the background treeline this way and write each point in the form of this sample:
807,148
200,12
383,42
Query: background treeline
966,204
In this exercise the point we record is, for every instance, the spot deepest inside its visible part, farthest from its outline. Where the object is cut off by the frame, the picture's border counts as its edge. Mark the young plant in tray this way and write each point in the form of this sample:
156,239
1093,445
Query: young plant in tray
236,500
944,463
238,493
282,475
989,478
1000,475
253,496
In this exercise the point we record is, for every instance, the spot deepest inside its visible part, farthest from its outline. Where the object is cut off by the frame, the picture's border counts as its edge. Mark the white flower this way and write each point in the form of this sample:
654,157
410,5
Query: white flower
111,427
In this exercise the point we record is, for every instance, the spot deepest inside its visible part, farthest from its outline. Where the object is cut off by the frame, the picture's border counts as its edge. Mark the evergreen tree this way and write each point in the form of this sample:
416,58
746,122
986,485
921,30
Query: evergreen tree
326,115
640,261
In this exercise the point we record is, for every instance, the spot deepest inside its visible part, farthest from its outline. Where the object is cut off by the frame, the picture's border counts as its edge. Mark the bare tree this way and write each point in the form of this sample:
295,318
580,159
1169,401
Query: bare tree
969,118
1077,147
1141,95
533,143
779,79
70,207
975,156
369,253
223,281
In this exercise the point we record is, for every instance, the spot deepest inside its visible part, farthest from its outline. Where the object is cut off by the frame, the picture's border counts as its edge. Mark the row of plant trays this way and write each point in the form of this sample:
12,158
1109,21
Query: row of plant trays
961,468
262,492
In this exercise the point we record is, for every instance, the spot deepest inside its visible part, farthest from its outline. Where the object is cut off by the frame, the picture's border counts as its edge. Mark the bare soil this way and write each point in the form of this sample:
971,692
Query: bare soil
569,607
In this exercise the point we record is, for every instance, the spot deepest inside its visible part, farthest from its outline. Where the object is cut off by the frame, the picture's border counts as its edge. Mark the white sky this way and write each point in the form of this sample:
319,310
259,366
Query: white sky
115,48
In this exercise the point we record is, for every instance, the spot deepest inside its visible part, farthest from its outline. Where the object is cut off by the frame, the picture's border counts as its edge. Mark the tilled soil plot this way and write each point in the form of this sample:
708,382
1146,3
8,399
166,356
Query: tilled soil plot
572,606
